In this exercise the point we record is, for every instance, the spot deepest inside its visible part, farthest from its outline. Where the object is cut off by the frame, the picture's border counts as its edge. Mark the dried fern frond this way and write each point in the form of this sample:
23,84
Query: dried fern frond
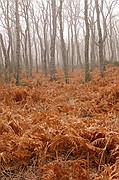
67,141
100,142
110,172
49,175
20,95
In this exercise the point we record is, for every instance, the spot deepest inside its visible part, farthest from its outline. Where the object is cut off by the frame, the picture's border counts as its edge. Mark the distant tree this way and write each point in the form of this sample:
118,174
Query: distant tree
7,23
77,27
70,24
26,52
53,39
112,35
36,22
17,42
5,58
26,7
87,36
1,60
45,19
36,49
41,23
63,46
101,56
92,25
73,22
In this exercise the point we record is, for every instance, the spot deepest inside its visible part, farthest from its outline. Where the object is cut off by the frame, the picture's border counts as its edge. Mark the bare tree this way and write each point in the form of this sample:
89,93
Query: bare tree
87,36
43,19
73,22
1,61
36,21
7,24
63,46
53,38
112,24
26,7
93,48
77,28
5,57
17,42
101,57
26,53
36,49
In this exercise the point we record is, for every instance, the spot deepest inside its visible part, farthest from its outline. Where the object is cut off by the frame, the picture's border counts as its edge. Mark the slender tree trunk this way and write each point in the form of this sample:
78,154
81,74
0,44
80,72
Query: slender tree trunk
36,56
79,61
69,48
9,50
87,72
58,64
63,46
53,38
42,54
29,45
111,40
72,46
101,57
116,45
36,51
41,47
45,47
93,49
1,61
26,54
17,43
26,7
5,57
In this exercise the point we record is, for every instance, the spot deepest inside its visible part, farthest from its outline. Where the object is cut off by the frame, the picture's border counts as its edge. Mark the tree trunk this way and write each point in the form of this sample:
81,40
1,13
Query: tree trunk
72,46
63,46
1,61
101,58
87,72
6,58
93,49
79,61
26,54
36,50
17,43
53,38
30,54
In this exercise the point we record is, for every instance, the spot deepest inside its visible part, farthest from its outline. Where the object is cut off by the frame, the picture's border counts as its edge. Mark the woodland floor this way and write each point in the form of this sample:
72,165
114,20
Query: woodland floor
57,131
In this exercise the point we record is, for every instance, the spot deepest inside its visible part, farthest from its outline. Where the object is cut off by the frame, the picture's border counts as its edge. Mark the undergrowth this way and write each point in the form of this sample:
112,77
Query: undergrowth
57,131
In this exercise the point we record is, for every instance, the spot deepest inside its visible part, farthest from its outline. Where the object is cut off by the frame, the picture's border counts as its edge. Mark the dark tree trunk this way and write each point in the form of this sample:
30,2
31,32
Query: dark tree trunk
87,72
101,57
17,44
63,46
53,38
5,57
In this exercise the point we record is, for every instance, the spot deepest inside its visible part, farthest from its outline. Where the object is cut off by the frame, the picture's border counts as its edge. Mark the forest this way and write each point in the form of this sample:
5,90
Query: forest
59,90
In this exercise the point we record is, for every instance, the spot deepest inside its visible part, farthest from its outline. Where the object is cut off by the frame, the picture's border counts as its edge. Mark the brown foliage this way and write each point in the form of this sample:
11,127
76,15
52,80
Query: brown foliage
71,130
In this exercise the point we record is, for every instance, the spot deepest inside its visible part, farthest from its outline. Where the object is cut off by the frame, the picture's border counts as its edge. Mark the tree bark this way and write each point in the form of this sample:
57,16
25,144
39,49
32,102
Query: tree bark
53,38
26,54
17,43
101,57
87,72
5,57
63,46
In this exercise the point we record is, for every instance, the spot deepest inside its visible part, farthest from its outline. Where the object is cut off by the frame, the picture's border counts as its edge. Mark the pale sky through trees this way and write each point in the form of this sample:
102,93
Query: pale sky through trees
81,2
